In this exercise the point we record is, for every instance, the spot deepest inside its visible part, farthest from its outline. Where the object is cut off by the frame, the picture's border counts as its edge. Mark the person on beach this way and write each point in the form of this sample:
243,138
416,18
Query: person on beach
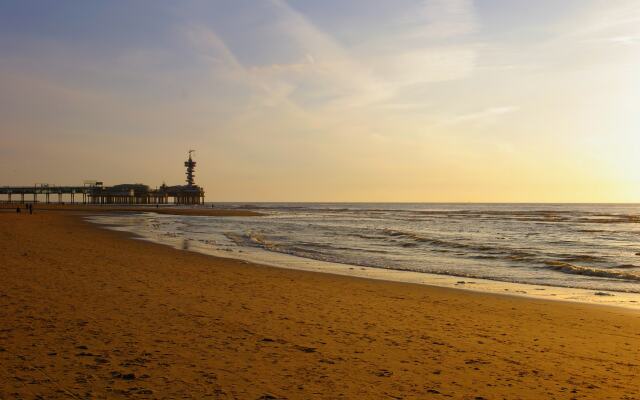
17,210
30,209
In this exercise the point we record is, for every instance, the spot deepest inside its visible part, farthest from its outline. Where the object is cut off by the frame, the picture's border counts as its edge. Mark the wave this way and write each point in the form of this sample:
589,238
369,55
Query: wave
252,239
569,258
588,271
258,240
487,252
542,216
507,253
332,252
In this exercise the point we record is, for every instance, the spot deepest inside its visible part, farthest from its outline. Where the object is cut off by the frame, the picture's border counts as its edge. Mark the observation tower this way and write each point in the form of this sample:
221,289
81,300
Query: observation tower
191,166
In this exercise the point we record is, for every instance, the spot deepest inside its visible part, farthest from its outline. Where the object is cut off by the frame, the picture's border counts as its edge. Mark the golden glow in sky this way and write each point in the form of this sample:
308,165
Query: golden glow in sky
438,100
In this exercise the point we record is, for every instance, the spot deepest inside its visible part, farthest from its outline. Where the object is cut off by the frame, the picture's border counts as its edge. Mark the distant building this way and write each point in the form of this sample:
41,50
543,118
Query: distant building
141,194
94,192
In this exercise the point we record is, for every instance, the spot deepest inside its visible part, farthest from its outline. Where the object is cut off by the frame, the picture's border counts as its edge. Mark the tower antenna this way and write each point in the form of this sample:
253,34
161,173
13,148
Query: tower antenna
191,166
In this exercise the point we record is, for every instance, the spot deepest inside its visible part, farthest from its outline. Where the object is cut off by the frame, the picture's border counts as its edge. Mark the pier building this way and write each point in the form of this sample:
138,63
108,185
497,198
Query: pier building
95,192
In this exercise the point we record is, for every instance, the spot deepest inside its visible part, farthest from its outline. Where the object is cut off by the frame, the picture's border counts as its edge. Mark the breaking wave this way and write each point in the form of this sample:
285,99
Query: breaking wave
578,270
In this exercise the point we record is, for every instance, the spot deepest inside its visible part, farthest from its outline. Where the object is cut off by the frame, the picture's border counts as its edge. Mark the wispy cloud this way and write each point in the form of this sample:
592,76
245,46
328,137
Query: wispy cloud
625,40
328,75
438,19
486,115
602,18
324,75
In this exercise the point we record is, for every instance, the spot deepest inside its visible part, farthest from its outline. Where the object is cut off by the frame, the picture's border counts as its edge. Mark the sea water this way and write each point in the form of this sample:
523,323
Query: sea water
586,246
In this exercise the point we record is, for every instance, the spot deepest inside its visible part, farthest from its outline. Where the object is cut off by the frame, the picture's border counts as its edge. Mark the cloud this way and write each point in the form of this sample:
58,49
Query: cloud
437,19
604,17
428,65
431,44
600,22
325,75
625,40
486,115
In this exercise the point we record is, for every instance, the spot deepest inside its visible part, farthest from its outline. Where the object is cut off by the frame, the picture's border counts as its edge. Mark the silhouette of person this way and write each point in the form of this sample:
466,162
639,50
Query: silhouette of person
30,209
17,210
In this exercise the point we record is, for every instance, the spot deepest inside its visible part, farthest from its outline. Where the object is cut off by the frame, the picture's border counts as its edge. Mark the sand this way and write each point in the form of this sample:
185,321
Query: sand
91,313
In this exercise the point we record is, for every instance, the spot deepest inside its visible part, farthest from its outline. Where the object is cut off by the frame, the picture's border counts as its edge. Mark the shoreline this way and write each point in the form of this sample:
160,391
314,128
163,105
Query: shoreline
91,312
628,300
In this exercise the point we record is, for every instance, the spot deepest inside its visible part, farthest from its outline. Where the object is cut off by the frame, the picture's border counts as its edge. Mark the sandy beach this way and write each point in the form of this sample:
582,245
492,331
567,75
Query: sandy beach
91,313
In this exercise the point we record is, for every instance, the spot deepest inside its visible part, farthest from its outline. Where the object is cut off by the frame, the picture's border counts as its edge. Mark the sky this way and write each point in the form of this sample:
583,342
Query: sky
335,100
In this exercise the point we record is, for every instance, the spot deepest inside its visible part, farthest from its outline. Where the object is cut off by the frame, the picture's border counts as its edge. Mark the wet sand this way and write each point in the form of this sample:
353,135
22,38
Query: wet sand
90,313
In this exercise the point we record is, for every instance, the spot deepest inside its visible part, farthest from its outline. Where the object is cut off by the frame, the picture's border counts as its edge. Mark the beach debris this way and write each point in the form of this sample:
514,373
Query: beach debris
603,294
140,390
433,391
384,373
268,396
126,377
137,362
306,349
476,361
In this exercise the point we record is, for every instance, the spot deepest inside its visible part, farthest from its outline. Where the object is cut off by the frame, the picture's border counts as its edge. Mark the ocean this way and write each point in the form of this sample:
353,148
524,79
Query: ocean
587,246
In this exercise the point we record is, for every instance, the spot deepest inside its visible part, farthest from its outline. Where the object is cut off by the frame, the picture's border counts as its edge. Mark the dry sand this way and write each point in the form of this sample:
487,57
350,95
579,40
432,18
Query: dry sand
90,313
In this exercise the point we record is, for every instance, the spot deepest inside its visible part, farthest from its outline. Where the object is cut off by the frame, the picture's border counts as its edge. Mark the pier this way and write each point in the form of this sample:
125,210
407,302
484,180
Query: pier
95,192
